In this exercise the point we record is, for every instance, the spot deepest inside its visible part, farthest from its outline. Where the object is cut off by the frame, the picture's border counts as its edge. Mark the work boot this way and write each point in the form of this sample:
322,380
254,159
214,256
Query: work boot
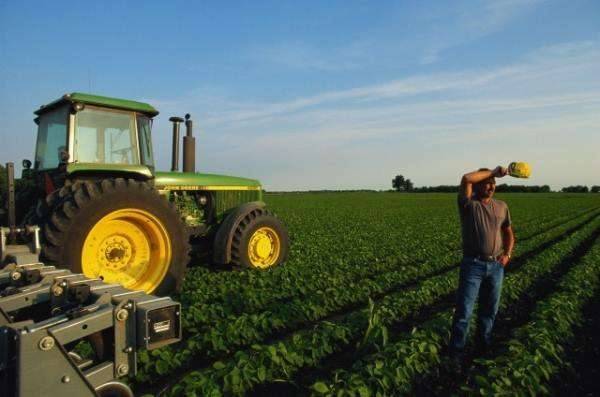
481,348
457,364
456,360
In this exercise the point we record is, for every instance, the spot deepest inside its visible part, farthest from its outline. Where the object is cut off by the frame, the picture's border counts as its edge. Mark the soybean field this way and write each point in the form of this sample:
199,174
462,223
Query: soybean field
363,307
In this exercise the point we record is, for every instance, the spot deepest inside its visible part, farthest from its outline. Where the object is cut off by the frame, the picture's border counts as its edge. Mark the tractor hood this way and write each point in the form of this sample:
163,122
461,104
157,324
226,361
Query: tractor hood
196,181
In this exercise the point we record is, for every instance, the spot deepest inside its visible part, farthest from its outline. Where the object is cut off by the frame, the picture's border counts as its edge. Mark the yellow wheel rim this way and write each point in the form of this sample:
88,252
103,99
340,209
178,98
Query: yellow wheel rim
264,247
130,247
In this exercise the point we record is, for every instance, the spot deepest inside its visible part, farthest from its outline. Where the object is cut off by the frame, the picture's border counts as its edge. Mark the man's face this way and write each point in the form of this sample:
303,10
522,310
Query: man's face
486,188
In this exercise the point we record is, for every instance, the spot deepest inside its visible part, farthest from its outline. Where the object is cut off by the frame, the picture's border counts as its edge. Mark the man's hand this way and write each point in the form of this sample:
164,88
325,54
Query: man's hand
503,260
500,171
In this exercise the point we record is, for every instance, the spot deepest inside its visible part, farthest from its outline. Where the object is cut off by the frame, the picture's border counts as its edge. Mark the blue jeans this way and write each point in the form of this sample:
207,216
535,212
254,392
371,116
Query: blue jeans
476,278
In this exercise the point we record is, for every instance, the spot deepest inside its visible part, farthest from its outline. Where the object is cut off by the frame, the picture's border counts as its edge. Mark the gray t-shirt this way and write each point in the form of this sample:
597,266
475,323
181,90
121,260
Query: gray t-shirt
481,225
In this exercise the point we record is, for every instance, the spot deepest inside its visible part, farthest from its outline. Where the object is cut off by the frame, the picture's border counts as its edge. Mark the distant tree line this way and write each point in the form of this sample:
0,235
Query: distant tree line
580,189
436,189
402,184
504,188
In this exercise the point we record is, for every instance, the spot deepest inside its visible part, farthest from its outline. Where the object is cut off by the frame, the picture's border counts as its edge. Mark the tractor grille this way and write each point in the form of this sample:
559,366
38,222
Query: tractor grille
226,199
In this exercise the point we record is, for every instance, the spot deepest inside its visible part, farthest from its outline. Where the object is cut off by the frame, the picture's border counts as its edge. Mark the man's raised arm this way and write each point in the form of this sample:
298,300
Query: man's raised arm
468,180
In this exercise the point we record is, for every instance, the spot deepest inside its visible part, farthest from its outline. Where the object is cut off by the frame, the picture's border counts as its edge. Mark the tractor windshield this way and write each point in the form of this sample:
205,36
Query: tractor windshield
105,137
52,138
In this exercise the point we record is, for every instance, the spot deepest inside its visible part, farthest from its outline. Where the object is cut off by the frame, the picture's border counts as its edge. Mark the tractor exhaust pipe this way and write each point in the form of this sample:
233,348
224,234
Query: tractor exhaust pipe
175,152
189,147
12,219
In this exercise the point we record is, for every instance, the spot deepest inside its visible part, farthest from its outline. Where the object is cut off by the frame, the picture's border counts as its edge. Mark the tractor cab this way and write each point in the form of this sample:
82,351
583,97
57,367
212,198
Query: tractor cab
89,129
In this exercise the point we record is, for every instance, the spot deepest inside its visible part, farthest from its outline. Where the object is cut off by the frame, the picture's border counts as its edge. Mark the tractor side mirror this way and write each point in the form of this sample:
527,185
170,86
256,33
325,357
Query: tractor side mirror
26,172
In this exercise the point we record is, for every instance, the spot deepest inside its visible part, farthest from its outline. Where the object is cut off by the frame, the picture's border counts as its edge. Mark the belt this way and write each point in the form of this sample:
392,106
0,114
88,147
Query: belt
485,258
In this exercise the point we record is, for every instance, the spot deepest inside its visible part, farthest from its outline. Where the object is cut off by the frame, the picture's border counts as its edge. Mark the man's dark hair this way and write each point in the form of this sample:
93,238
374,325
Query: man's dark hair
479,185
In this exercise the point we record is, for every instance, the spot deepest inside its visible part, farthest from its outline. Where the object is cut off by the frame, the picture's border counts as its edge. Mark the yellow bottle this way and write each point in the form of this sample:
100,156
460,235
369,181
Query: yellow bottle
519,169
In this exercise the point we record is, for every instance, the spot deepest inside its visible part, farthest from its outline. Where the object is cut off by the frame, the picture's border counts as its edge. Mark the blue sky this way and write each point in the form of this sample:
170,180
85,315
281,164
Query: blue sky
309,95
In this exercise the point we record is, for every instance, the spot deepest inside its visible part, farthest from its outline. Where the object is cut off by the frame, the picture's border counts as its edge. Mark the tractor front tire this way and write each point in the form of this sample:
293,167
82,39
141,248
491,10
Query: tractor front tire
260,241
120,230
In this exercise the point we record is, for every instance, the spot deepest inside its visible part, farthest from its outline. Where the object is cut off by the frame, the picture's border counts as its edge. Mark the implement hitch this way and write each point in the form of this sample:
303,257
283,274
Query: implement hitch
47,318
10,251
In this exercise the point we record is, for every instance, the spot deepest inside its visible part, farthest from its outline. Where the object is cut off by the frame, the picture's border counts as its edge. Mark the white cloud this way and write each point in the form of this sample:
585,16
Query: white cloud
539,67
485,17
444,27
473,21
430,127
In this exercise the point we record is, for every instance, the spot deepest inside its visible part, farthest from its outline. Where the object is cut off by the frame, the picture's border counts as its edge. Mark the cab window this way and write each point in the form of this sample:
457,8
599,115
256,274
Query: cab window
51,138
105,137
144,125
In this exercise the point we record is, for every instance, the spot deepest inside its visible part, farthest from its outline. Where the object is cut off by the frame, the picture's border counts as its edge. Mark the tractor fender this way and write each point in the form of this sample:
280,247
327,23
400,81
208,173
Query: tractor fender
224,236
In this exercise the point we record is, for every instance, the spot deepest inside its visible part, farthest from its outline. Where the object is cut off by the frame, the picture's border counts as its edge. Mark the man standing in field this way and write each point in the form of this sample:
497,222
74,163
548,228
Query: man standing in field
488,242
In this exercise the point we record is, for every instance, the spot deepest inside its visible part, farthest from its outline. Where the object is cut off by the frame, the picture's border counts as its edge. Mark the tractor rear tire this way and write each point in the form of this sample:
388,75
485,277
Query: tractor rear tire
120,230
45,206
260,241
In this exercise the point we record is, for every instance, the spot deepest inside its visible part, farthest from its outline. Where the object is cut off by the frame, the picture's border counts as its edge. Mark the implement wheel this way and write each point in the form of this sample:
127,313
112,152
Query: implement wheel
114,389
260,241
119,230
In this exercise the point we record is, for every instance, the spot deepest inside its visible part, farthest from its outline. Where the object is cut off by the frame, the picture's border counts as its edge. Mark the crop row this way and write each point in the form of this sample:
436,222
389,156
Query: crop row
226,335
396,366
306,348
534,353
227,331
201,317
199,314
326,249
536,288
323,250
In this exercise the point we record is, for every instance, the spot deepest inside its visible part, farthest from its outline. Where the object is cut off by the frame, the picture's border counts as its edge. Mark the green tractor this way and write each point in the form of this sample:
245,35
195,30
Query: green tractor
105,211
